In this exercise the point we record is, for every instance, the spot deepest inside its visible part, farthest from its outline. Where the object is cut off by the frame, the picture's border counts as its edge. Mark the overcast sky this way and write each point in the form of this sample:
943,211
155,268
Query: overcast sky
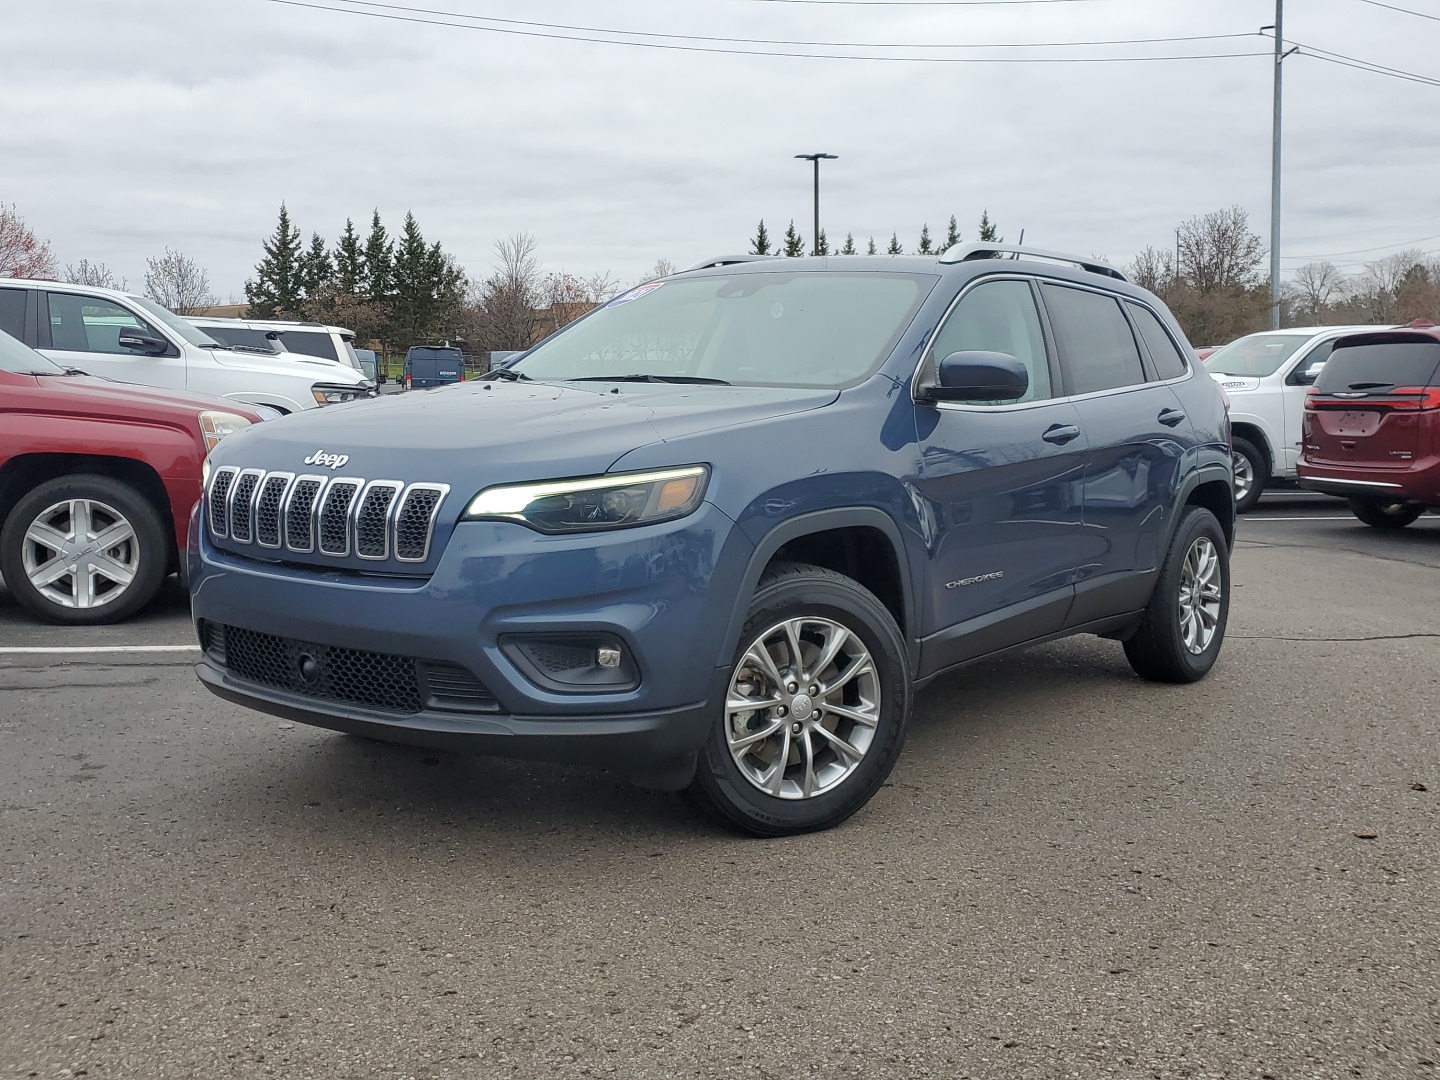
129,127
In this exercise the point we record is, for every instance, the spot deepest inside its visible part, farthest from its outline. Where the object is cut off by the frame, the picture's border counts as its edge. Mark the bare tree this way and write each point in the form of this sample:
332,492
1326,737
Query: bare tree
1153,269
177,282
1318,285
1218,251
22,253
510,296
98,274
662,268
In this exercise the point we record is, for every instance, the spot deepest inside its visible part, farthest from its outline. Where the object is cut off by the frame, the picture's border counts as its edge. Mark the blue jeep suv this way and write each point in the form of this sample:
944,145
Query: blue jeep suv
716,533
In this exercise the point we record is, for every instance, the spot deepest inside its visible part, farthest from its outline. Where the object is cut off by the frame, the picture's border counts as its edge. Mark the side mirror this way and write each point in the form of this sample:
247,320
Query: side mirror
1310,374
142,341
979,376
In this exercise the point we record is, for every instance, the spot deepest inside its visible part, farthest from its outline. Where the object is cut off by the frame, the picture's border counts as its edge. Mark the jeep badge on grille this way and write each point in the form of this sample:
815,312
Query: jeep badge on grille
330,461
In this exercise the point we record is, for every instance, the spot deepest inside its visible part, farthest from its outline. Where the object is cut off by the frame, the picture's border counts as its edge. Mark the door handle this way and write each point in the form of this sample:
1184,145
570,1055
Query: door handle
1060,434
1170,417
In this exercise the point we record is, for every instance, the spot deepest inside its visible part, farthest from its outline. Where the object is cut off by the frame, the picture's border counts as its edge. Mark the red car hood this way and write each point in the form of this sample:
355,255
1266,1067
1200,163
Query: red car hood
122,400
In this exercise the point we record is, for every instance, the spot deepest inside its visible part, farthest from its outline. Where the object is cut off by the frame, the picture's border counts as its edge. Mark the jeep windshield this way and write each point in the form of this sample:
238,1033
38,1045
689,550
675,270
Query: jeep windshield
1255,356
804,329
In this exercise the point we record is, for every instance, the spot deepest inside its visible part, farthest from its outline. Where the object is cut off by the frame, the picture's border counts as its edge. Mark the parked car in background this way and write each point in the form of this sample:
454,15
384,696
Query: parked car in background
370,364
715,533
1372,425
130,338
97,481
239,333
1267,376
314,339
433,365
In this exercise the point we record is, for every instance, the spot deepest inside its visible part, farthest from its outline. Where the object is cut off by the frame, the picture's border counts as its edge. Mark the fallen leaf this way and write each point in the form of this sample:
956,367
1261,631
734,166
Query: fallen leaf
1418,787
1364,835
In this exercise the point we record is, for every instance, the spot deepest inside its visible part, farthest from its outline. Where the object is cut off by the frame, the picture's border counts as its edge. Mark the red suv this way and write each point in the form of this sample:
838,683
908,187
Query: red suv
97,480
1371,432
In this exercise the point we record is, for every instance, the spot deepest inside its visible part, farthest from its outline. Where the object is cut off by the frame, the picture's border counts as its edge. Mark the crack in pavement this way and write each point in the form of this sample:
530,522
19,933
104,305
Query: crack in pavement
1373,637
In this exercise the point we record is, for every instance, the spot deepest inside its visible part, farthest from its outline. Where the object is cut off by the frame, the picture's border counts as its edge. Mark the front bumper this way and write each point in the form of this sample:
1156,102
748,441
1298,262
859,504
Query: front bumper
665,591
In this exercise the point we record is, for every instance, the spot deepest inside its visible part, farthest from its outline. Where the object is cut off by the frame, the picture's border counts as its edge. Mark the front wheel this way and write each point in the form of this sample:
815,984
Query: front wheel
1384,513
815,709
83,550
1184,624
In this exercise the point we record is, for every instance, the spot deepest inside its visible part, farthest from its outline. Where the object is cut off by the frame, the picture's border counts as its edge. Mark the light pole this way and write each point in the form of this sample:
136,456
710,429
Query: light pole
817,158
1280,54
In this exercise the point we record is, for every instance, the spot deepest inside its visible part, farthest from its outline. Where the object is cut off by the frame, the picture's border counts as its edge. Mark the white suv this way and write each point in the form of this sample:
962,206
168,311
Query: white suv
132,339
1267,376
304,338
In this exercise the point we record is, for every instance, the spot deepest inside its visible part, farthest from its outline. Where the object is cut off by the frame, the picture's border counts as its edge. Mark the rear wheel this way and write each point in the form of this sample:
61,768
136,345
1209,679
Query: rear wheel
83,550
1180,636
815,708
1252,473
1384,513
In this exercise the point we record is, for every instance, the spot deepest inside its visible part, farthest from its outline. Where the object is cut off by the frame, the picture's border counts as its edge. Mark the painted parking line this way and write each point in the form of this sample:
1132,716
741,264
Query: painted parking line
1297,517
58,650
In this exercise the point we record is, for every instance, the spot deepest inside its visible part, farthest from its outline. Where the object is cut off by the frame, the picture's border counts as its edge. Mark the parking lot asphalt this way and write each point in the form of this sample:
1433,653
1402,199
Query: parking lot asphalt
1072,873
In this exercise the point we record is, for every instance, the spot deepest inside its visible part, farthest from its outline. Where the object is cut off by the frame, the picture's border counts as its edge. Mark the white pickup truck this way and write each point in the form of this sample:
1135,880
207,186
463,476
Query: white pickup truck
1267,376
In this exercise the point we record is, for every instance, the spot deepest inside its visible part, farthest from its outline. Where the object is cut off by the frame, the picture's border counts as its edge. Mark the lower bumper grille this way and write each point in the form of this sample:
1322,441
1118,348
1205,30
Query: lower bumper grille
383,681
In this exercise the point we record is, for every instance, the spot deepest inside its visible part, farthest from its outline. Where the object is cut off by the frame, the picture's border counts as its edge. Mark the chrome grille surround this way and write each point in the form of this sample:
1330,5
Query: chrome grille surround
269,506
373,516
334,516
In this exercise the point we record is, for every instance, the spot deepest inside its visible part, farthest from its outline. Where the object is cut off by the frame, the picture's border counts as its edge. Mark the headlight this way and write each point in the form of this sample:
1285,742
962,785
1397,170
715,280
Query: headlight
216,425
338,393
596,502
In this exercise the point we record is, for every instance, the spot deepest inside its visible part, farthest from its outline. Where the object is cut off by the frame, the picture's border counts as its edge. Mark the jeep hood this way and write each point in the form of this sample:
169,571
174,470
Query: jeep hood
476,434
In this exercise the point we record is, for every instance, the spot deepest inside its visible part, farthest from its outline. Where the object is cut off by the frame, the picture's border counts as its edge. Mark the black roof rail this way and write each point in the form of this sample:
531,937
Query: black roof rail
966,252
726,260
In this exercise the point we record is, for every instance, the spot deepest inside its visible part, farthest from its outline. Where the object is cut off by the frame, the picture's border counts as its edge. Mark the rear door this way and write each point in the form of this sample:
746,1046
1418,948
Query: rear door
1138,433
1366,407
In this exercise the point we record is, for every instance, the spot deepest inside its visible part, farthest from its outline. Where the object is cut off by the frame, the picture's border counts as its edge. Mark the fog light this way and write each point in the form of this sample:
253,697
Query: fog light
573,663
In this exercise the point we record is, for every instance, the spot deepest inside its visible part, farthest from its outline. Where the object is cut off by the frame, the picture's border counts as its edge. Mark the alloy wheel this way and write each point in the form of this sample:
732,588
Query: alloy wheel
1200,595
1244,475
80,553
802,707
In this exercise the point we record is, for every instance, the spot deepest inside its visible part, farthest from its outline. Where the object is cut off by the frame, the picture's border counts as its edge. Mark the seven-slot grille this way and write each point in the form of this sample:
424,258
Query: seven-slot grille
336,516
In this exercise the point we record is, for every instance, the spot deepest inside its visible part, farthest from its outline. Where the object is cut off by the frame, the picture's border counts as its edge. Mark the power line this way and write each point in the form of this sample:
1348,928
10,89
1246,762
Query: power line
1363,65
410,9
1406,11
1364,251
617,38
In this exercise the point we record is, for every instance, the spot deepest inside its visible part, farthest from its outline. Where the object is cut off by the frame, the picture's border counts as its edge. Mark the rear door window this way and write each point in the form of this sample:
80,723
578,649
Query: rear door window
1096,345
1164,353
1378,364
311,343
12,312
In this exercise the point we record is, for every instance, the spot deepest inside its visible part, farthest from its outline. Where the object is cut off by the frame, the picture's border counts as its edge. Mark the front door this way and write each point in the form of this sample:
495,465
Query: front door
84,332
999,484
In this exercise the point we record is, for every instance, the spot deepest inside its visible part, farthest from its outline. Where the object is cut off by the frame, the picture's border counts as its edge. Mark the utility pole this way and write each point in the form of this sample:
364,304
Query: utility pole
816,158
1280,54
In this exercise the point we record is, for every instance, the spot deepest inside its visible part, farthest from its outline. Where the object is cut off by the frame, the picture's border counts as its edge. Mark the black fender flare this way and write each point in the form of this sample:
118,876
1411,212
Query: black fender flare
1205,474
819,521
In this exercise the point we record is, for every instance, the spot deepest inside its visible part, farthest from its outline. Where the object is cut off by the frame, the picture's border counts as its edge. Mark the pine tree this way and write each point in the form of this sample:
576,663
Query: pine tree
952,235
413,283
316,269
761,244
894,248
849,248
924,248
870,248
822,245
349,261
988,233
276,288
378,262
794,243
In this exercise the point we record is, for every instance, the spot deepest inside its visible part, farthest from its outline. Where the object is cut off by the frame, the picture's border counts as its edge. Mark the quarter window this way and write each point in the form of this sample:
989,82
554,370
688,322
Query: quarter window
91,324
1169,361
999,316
1096,345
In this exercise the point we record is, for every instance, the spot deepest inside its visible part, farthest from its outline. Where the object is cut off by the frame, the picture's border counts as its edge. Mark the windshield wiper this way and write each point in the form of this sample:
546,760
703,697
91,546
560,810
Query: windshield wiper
654,379
63,371
505,374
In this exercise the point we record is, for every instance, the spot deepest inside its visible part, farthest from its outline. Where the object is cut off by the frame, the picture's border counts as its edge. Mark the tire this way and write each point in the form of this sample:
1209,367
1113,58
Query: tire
1252,473
113,510
1164,648
1384,513
742,786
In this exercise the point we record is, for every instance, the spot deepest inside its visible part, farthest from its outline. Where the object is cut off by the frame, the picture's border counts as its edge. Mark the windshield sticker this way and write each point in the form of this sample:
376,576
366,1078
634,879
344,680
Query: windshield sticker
635,294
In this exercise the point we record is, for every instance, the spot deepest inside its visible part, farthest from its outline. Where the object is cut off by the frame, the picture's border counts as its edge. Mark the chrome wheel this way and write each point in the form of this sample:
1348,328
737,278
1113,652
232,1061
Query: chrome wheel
802,707
80,553
1244,475
1200,595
